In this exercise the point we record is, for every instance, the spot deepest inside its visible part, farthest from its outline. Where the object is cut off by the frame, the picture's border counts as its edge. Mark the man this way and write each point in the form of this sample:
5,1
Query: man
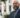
14,13
18,14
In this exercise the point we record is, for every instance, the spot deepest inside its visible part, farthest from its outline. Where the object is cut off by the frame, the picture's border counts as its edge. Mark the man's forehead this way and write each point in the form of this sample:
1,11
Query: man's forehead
15,2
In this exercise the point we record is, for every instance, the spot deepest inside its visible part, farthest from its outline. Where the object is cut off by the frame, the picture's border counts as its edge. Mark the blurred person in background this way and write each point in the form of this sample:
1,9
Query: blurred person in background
15,13
2,5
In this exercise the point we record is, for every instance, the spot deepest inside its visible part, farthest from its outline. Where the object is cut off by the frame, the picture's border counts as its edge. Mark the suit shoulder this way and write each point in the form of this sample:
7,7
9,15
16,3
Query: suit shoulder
12,13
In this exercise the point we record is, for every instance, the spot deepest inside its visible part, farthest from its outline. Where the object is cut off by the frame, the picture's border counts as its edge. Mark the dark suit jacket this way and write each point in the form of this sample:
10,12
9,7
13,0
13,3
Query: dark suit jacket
17,15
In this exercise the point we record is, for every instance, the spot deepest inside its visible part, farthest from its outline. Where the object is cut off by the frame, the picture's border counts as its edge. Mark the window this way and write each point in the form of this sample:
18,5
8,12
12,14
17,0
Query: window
0,10
9,7
4,10
9,1
0,7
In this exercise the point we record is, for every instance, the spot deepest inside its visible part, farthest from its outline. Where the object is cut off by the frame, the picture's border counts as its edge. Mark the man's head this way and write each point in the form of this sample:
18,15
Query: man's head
16,5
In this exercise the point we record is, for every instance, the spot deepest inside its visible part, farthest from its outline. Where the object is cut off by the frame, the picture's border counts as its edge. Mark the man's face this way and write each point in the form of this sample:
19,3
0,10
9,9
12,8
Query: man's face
16,5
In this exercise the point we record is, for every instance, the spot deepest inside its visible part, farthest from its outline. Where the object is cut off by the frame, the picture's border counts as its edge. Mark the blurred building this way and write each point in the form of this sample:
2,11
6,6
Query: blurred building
7,7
